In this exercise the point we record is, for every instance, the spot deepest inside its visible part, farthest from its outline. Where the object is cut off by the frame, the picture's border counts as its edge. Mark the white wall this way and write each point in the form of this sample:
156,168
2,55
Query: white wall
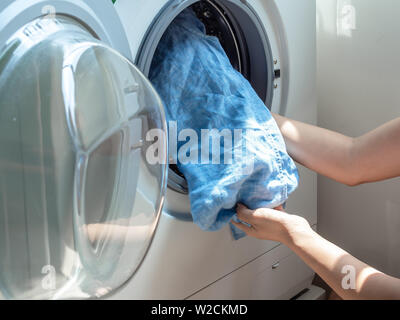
359,89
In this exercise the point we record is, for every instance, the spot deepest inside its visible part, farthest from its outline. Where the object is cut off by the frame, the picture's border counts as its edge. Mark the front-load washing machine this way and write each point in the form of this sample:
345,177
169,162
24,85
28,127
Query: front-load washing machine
79,203
272,43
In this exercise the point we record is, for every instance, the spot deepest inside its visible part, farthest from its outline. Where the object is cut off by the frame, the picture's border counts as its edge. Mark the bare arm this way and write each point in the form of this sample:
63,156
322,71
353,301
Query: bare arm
326,259
371,157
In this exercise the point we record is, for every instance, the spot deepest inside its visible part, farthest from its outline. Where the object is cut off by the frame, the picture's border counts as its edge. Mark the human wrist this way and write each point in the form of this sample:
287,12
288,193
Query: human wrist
297,231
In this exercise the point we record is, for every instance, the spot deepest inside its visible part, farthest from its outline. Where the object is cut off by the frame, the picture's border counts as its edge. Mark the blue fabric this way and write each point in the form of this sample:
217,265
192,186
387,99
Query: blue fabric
201,90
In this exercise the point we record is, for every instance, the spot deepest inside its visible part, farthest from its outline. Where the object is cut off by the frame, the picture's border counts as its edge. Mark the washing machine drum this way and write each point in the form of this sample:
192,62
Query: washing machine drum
79,198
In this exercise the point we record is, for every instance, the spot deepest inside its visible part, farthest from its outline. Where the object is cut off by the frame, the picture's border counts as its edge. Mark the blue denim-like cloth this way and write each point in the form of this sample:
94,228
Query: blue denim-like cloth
201,90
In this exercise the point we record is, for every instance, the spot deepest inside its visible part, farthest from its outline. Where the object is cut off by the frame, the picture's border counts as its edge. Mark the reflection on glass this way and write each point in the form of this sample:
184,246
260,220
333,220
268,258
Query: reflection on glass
100,194
78,200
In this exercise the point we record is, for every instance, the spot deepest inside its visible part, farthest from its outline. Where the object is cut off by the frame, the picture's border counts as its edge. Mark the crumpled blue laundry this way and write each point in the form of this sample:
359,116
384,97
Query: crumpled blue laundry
201,90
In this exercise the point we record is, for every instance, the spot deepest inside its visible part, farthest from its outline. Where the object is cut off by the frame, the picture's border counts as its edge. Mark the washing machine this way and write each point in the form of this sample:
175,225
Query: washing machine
272,43
83,214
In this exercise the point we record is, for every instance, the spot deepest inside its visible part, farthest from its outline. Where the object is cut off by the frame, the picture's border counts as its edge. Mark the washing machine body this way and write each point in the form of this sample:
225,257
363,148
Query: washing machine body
273,44
79,202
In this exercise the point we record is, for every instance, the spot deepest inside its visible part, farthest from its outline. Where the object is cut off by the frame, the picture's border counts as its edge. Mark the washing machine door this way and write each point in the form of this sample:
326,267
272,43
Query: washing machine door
83,158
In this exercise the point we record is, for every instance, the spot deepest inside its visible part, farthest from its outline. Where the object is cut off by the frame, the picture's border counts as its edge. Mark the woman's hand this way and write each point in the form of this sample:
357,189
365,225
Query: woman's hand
322,256
269,224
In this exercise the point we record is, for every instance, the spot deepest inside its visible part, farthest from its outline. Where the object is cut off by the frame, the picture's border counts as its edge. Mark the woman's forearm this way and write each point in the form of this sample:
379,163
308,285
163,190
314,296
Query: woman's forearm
368,158
324,151
348,276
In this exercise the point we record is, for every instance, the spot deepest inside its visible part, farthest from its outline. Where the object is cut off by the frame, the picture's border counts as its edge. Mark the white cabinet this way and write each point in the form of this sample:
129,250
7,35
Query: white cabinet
278,274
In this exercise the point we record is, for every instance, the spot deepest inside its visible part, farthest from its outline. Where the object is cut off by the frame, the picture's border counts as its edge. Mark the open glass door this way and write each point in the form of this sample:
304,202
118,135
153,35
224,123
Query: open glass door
81,183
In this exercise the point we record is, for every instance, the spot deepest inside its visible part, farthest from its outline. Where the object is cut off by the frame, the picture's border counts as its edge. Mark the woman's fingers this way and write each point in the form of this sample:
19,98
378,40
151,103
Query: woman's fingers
243,208
257,217
244,214
243,227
